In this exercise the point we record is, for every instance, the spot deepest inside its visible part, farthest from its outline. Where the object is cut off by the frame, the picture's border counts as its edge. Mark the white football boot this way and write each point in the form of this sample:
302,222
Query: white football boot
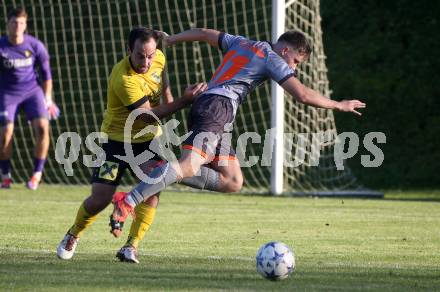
67,247
128,254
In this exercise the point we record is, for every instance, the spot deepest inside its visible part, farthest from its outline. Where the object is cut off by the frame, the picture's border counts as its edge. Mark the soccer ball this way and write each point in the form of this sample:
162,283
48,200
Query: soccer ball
275,261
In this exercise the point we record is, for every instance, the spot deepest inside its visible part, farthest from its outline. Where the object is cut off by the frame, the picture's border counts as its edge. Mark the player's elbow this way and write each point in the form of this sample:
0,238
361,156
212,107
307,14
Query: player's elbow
202,33
302,97
200,29
208,35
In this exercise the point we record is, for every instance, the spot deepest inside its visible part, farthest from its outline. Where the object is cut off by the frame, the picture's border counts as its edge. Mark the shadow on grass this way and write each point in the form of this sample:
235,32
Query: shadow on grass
388,195
433,200
419,195
100,272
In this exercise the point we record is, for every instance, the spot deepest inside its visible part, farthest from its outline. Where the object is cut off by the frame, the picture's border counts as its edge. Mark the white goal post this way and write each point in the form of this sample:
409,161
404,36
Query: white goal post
86,38
277,117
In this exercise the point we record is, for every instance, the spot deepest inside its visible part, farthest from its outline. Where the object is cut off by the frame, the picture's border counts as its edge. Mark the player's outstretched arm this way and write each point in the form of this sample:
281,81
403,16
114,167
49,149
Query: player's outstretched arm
167,109
195,34
308,96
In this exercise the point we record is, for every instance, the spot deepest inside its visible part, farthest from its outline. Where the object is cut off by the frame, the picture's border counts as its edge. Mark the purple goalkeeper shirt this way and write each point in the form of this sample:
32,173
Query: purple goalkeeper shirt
19,63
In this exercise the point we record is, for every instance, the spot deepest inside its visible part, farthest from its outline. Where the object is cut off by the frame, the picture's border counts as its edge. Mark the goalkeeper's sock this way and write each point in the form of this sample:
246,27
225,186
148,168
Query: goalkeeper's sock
206,179
82,221
141,223
39,165
38,169
5,167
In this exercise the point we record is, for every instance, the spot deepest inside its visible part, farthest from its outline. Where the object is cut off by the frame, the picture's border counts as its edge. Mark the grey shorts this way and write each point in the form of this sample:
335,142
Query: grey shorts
209,117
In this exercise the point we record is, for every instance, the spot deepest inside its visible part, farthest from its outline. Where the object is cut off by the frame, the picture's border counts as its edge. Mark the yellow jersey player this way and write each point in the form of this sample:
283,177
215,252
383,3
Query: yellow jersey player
137,81
246,64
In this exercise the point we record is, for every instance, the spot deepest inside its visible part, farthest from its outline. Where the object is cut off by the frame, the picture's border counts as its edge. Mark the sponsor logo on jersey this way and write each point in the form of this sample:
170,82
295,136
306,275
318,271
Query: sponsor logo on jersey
17,63
156,77
109,170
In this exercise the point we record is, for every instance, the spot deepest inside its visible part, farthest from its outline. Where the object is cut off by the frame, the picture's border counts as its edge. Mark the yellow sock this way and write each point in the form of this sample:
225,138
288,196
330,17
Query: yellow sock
143,219
82,221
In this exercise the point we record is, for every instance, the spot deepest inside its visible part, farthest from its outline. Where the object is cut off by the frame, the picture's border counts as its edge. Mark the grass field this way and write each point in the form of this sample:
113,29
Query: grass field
207,242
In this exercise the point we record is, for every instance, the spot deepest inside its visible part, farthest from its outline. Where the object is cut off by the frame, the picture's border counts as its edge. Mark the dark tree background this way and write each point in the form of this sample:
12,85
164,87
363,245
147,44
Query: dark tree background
387,54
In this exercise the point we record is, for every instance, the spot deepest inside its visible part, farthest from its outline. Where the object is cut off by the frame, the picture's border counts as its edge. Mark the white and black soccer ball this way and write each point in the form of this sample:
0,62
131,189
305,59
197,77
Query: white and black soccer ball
275,261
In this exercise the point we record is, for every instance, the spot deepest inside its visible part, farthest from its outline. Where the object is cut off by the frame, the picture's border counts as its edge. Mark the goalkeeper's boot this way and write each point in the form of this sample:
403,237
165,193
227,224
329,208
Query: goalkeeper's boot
116,227
6,183
67,246
33,183
128,254
121,208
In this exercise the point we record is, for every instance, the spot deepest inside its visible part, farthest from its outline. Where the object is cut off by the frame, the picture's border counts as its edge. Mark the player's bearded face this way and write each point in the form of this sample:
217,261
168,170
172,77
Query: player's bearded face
16,26
142,55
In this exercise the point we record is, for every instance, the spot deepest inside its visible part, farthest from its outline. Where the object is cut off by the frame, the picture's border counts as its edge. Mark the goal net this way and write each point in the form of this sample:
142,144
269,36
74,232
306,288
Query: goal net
86,38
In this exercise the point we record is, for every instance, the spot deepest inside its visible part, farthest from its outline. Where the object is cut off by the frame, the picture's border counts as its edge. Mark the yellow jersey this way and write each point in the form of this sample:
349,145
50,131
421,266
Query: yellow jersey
126,91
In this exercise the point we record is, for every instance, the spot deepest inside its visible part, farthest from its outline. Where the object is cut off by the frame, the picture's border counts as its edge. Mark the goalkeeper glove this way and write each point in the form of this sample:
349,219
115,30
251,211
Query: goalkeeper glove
52,109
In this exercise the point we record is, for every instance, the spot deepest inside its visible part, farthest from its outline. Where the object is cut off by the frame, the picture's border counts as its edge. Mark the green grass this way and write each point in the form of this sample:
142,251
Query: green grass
207,242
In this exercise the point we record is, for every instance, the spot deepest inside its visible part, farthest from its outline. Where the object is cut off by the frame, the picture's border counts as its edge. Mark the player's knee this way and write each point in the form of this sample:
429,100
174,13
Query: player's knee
6,133
237,183
152,201
41,130
234,183
95,204
98,200
5,138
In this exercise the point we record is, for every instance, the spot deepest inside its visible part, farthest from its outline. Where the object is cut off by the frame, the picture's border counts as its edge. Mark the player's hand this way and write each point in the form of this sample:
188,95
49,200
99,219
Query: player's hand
351,106
194,90
52,110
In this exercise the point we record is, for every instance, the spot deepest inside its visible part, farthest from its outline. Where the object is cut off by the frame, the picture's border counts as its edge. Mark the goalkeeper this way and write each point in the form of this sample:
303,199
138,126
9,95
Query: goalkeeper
20,56
136,82
246,64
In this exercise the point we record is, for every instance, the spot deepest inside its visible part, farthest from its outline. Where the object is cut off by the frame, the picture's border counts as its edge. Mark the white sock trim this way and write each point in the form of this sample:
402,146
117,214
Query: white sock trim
130,200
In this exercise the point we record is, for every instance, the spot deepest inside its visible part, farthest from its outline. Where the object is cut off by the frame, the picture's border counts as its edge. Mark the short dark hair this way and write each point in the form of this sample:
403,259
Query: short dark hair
17,12
142,33
297,40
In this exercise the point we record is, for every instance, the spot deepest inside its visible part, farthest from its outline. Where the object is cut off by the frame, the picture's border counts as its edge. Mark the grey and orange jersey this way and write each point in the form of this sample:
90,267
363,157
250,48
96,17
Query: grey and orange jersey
246,64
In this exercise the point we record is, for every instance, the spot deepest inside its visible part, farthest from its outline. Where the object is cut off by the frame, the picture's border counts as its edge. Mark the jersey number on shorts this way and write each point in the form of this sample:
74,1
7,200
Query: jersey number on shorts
237,63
